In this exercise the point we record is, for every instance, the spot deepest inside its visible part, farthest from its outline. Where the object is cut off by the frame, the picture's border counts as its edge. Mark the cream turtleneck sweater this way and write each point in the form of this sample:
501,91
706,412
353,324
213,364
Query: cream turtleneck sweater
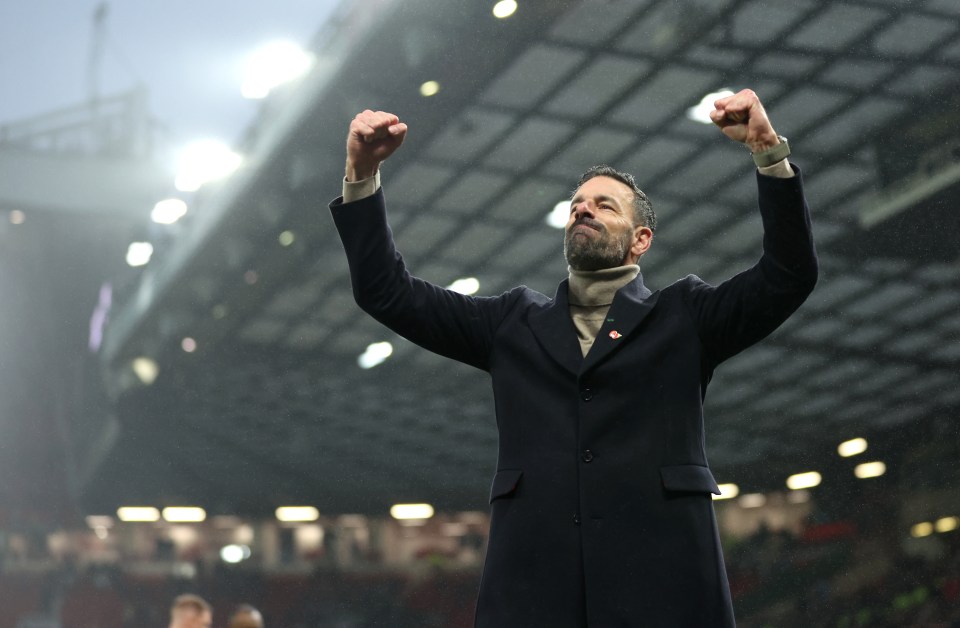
590,294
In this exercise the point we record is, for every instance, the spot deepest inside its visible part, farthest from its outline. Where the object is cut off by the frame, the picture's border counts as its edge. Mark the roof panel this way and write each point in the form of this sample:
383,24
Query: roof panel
836,182
593,23
858,73
596,145
837,27
723,161
426,230
924,79
763,21
597,85
529,144
530,248
833,290
531,200
884,300
475,244
658,98
945,6
657,32
471,132
865,337
540,69
656,155
469,193
787,64
851,125
415,183
933,305
803,107
913,35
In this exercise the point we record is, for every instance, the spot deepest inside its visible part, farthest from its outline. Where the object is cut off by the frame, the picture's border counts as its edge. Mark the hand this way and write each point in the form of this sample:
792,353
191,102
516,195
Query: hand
742,118
373,137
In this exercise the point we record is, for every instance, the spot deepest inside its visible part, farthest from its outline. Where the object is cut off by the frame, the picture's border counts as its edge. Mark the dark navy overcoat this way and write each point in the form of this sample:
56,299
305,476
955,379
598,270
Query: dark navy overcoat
601,507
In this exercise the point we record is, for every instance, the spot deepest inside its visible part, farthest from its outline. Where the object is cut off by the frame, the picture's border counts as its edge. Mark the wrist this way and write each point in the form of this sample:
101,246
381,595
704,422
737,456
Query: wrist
359,172
764,143
773,153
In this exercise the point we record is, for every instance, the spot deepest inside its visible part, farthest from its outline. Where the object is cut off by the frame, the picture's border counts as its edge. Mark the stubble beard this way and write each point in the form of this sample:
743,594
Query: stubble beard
595,253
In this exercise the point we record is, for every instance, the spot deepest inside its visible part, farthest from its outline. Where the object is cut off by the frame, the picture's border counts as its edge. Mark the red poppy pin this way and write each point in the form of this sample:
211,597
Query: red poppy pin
615,334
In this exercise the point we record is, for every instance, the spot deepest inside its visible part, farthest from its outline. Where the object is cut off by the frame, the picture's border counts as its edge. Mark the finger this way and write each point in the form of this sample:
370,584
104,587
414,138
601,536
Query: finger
381,119
388,118
363,130
397,128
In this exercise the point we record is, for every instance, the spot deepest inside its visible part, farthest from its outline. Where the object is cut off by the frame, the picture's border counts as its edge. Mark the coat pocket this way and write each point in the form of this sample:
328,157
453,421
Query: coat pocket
505,483
691,478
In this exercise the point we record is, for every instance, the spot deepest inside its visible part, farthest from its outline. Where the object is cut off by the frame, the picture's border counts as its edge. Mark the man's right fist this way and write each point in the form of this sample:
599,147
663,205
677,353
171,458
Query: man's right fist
373,137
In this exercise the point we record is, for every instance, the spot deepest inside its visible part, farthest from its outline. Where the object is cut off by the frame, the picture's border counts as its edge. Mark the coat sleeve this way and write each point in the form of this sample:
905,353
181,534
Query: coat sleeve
746,308
451,324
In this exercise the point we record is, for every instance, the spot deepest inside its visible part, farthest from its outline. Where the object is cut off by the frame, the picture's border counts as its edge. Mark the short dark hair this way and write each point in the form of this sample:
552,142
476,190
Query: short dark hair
643,213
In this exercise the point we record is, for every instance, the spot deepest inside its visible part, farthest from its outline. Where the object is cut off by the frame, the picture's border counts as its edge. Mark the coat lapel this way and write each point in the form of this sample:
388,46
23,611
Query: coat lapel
630,306
555,332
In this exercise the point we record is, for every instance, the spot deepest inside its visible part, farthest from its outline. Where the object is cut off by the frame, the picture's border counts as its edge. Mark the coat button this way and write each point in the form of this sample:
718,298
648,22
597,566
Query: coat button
586,394
587,455
576,519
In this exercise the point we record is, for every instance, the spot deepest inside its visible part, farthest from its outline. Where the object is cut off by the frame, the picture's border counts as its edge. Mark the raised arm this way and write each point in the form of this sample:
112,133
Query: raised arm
446,322
749,306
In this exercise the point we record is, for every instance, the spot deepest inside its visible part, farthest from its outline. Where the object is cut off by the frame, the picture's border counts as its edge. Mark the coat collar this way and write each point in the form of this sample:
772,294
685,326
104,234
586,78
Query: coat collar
630,306
554,328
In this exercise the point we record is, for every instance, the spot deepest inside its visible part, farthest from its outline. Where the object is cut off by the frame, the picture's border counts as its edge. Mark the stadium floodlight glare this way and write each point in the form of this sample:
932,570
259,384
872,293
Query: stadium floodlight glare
204,161
286,238
701,112
99,521
273,65
921,530
852,447
405,512
139,253
375,354
559,215
146,370
466,285
17,217
870,470
184,514
429,88
504,9
947,524
168,211
289,514
808,479
234,553
727,491
138,513
752,500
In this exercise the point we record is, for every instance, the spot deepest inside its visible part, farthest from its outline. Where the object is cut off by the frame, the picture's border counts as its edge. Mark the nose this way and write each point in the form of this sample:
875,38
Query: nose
581,209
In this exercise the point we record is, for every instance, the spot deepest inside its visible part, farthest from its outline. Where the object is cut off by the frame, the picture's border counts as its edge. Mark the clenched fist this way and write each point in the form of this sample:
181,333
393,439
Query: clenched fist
741,117
373,137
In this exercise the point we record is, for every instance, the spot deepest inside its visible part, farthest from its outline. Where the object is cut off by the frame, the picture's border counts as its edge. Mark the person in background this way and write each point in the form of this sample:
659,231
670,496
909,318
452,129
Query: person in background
191,611
246,616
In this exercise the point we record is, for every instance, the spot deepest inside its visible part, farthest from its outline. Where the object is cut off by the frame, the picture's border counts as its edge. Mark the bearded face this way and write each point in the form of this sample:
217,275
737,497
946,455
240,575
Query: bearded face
590,245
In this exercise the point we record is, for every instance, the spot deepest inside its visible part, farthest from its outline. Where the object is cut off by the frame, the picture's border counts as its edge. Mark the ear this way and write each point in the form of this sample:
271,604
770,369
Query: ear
642,239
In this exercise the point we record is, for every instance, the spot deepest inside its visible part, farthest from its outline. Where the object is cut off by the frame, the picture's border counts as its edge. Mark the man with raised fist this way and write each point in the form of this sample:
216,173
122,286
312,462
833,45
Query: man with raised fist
601,511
